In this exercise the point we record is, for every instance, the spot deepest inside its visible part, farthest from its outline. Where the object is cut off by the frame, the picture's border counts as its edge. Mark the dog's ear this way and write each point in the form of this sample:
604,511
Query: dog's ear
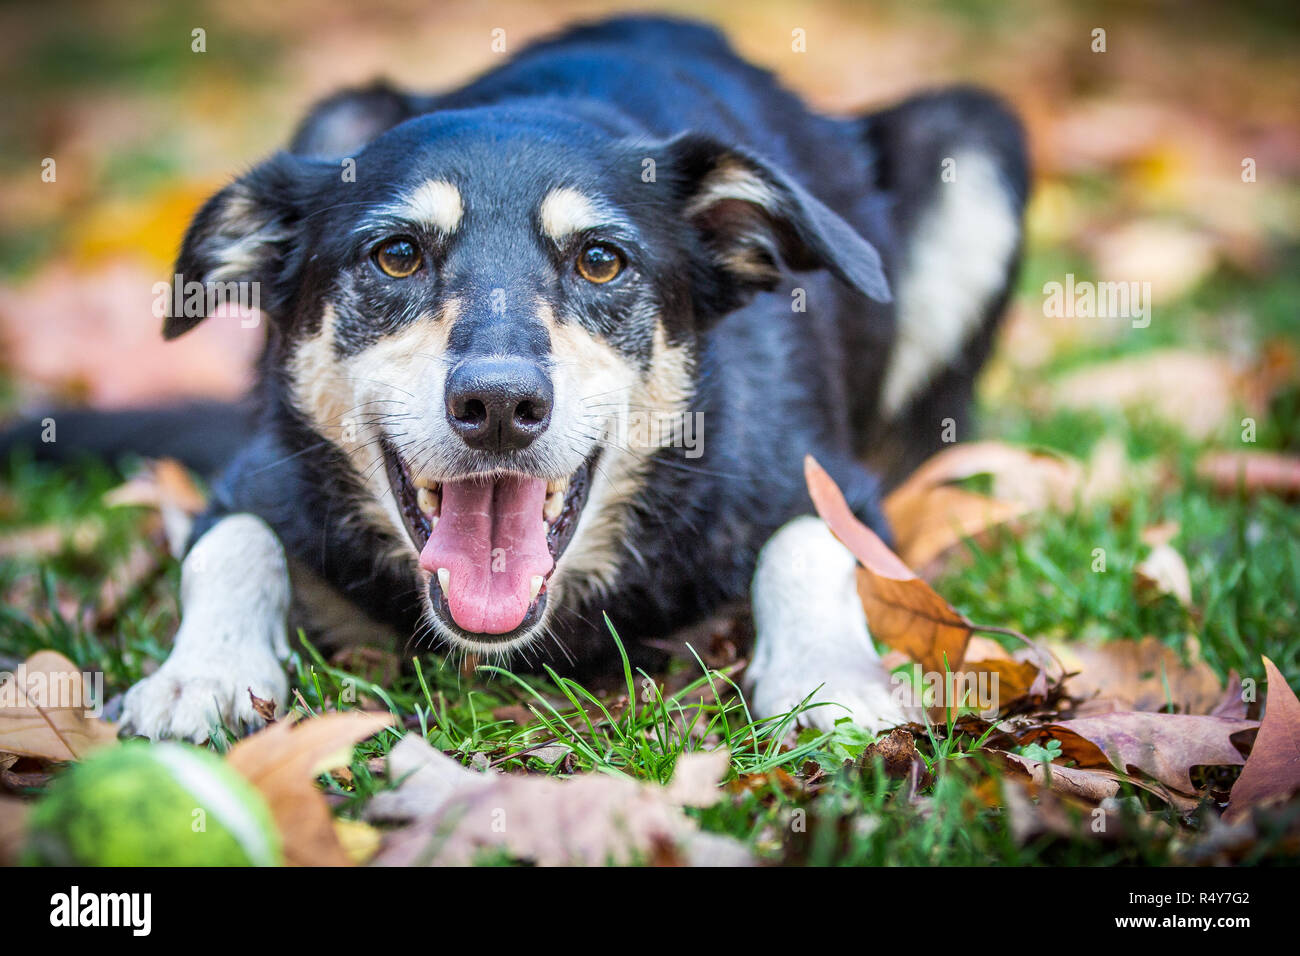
750,214
342,124
243,234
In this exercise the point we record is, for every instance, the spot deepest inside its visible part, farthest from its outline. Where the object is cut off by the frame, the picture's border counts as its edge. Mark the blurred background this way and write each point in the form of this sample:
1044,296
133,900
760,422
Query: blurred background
1138,150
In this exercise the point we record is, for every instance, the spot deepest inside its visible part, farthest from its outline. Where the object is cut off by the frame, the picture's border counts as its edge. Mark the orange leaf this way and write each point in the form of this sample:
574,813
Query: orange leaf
928,524
283,762
902,610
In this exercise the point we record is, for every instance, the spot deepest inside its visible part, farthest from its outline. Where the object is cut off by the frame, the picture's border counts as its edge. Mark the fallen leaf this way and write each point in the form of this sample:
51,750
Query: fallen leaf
902,610
1163,746
1233,701
360,841
164,485
1009,681
1034,479
160,483
1161,572
928,525
1093,785
283,761
1193,391
45,711
263,708
1273,770
425,780
1252,472
900,759
1138,675
1109,472
592,819
1168,256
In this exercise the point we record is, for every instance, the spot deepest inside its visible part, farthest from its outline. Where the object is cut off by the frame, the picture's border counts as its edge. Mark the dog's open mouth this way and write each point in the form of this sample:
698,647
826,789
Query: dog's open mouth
490,544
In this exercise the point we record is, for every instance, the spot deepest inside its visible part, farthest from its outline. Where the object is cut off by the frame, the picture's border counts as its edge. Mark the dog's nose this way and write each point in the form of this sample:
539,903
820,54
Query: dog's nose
499,404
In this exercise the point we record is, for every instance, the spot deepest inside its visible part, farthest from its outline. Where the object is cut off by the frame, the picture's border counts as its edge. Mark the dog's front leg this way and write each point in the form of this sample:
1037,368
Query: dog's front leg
812,633
231,642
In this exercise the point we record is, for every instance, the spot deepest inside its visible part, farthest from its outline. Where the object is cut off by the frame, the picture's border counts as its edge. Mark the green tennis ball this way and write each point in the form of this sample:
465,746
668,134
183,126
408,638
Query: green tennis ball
143,804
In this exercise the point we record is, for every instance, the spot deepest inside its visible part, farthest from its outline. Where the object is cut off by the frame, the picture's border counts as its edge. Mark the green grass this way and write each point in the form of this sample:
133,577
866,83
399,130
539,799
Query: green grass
814,801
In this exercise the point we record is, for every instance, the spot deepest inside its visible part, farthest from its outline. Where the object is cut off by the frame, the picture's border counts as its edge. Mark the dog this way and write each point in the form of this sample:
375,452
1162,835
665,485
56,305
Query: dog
551,348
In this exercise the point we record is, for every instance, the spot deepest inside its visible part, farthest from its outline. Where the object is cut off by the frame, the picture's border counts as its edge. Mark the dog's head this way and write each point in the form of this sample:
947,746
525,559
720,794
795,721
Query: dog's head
474,306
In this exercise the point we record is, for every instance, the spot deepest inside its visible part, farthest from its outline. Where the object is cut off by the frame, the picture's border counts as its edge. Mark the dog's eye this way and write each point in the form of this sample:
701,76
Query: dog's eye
599,263
398,257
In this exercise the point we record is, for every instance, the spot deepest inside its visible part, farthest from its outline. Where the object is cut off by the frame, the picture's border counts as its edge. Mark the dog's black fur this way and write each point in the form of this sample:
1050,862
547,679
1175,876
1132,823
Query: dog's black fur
773,384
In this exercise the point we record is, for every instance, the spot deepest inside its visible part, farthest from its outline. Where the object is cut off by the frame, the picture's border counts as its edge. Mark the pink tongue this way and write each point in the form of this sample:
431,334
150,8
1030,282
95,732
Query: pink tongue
492,538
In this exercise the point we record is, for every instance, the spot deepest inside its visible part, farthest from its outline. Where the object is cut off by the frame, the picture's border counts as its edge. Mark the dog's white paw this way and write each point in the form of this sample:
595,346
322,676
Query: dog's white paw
812,634
235,592
192,694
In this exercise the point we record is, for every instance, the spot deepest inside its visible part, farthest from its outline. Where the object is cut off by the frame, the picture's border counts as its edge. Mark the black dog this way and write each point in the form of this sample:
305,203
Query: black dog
554,346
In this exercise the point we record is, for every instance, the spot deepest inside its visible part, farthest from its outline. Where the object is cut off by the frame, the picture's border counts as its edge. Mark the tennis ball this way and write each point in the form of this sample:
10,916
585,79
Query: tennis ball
143,804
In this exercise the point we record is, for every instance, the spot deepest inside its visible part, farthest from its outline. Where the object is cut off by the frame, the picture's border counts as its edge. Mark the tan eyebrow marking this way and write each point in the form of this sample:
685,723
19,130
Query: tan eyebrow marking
565,211
435,202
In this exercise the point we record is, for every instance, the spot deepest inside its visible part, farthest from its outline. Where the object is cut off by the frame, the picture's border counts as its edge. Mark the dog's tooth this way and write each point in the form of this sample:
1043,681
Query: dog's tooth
444,580
554,505
534,587
426,499
433,522
559,485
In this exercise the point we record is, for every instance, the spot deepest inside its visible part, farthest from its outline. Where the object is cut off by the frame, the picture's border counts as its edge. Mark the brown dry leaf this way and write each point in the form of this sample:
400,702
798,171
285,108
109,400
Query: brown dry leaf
1135,674
899,756
160,483
166,486
44,709
1163,746
902,610
1093,785
263,708
283,762
1015,679
929,524
1171,257
1232,703
763,783
1033,479
593,819
1273,770
929,516
1252,471
1194,391
426,779
986,649
1164,571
